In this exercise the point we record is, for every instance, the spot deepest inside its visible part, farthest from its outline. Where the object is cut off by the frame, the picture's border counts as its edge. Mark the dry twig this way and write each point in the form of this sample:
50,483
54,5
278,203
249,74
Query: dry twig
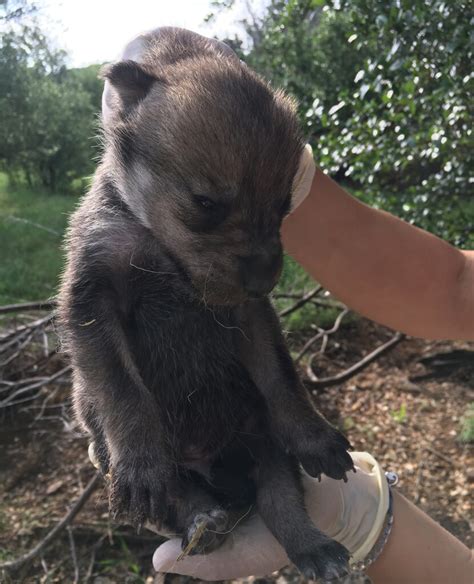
15,565
28,327
356,368
26,306
73,553
301,302
321,333
10,400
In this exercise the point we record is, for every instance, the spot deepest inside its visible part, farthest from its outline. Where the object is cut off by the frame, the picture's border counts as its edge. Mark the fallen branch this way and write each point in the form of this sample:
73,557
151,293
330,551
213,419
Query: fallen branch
324,302
38,384
37,364
321,333
356,368
90,569
12,337
17,353
25,306
72,545
440,455
14,565
301,302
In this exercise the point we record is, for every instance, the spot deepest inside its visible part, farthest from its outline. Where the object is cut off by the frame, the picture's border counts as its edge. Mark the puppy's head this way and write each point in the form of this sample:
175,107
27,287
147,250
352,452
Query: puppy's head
205,153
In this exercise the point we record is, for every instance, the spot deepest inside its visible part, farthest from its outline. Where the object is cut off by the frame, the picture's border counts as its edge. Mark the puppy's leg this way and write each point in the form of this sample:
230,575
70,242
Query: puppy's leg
106,375
280,502
293,420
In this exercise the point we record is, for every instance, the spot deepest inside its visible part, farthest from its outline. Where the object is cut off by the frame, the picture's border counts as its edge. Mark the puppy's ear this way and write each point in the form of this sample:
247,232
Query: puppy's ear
126,84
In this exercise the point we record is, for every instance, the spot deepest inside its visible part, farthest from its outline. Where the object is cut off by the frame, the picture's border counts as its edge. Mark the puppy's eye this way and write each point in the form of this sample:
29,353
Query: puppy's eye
205,202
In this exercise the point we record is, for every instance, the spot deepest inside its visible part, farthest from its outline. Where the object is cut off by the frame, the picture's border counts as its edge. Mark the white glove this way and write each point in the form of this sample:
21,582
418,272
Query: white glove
352,513
303,178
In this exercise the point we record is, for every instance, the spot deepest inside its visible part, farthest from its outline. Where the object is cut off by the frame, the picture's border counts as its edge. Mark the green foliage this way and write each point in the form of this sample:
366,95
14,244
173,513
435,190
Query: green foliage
407,140
400,415
300,49
87,78
384,91
46,113
466,433
32,224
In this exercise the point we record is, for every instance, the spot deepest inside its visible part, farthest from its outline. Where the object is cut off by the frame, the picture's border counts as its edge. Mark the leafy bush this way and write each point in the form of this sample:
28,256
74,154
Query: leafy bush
383,87
46,113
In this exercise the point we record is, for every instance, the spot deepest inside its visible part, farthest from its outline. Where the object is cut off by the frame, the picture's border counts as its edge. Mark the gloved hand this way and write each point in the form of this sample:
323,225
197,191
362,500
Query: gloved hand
352,513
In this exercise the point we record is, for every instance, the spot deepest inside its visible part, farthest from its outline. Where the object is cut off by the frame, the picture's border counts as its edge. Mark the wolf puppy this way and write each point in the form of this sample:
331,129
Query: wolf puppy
181,374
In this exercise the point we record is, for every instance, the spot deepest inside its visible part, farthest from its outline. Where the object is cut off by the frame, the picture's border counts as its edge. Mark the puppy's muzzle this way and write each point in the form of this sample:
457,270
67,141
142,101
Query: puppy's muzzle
260,272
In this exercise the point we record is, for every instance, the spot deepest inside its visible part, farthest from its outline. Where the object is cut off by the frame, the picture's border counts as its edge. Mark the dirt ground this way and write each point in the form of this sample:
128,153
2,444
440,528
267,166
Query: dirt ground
407,415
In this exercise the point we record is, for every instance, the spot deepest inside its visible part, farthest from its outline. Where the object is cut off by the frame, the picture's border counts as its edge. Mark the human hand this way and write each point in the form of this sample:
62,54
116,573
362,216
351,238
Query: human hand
352,513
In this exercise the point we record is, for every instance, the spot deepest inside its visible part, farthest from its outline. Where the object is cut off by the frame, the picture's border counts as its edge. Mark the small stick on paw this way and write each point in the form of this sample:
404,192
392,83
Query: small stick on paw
193,541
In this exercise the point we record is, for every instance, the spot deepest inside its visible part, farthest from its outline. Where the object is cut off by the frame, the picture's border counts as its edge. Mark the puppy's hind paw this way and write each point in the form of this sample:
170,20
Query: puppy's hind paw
205,532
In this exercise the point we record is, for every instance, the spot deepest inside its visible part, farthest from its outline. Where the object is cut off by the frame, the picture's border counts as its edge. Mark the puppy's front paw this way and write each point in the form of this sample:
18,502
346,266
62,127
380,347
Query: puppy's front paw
205,532
324,562
324,451
138,490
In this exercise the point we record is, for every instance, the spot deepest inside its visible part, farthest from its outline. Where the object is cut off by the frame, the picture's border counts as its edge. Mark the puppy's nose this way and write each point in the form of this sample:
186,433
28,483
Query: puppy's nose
259,272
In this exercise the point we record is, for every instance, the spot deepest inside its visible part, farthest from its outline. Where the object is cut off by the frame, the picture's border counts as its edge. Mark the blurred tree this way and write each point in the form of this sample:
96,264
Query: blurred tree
16,9
46,114
88,79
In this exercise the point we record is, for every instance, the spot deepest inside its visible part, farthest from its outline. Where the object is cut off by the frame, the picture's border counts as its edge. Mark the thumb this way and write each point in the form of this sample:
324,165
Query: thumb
165,557
249,549
204,567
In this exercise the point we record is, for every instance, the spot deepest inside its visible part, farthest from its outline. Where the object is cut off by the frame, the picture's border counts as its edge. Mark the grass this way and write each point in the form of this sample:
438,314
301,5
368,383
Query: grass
32,225
466,434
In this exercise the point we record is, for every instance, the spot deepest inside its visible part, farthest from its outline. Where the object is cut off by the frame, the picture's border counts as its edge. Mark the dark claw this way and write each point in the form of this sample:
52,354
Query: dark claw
138,492
324,451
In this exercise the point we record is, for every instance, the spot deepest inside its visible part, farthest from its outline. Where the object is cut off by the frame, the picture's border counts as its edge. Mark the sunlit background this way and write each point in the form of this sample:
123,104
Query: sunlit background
384,91
95,31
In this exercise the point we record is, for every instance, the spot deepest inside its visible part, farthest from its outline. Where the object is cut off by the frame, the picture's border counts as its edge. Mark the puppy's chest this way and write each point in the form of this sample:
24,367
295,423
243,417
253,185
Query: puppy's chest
182,348
187,356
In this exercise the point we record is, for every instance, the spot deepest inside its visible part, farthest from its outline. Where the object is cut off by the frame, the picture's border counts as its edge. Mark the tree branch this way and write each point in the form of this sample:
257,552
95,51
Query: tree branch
14,565
301,302
41,305
321,333
356,368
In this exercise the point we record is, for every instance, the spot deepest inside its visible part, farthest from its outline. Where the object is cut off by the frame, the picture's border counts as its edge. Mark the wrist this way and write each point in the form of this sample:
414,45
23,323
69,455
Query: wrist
353,513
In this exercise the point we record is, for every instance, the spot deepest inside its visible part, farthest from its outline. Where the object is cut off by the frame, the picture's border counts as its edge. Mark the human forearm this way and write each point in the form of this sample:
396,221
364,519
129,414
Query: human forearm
382,267
419,551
